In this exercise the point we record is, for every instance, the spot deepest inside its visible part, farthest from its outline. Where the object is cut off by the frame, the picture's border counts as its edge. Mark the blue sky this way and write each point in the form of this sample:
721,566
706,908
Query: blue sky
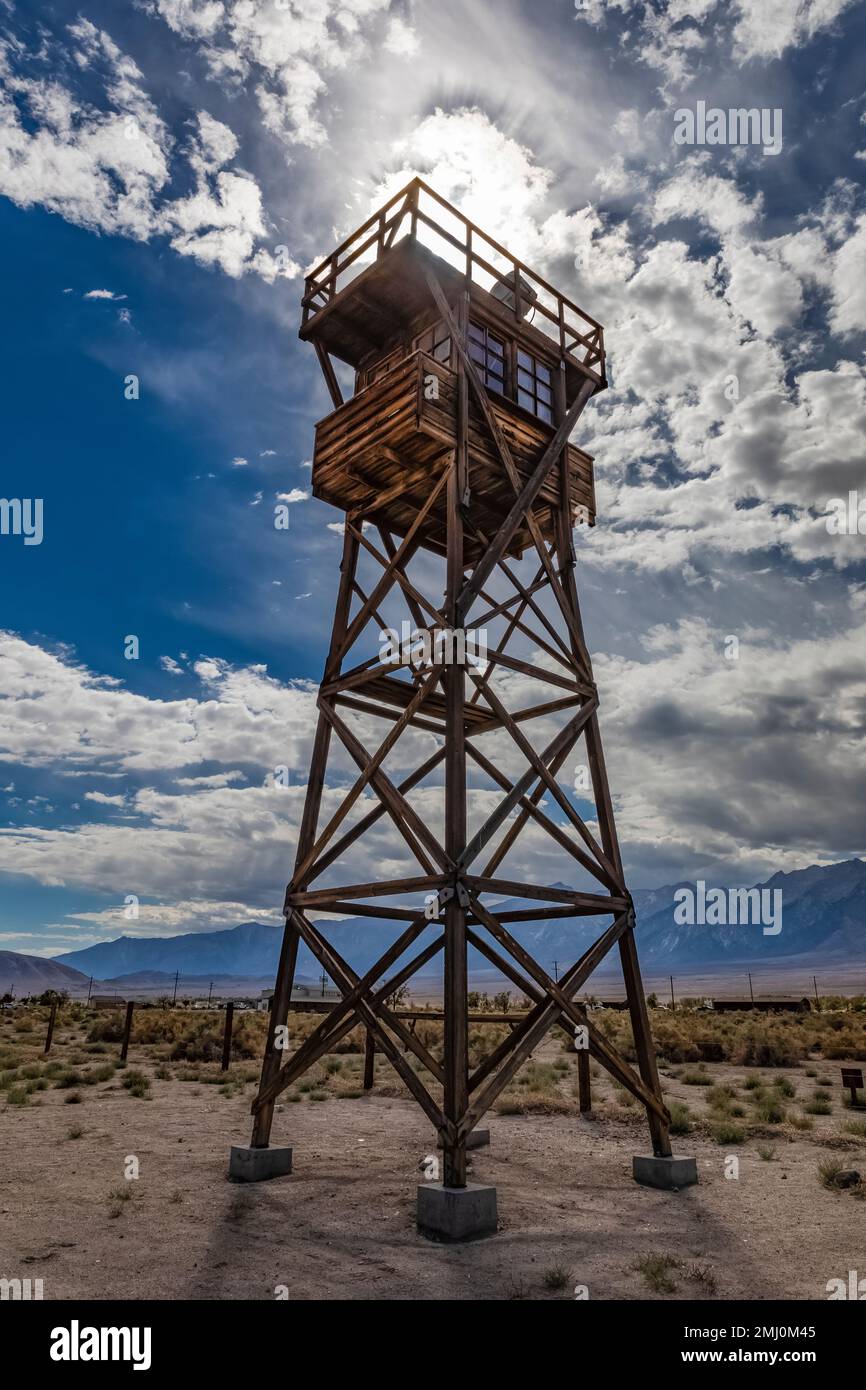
186,159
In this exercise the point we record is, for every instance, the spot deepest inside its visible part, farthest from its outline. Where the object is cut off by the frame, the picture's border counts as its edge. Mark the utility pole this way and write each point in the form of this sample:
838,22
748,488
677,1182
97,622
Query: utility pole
89,988
174,1000
673,1000
209,993
556,971
815,983
323,980
751,991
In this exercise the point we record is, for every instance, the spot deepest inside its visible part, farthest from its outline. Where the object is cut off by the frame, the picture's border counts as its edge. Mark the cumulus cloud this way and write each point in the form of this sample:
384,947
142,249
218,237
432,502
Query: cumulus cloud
285,53
108,168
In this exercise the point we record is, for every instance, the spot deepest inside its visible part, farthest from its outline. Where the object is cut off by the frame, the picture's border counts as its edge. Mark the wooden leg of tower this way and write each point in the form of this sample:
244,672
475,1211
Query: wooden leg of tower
643,1043
271,1062
644,1049
456,1058
281,1001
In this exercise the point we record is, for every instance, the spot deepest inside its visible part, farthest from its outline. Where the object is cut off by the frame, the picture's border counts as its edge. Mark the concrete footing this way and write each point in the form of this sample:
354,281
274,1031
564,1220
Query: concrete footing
475,1139
671,1173
456,1213
257,1165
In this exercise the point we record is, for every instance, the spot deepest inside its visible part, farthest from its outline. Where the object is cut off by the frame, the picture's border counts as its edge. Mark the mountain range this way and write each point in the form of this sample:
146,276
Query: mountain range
823,921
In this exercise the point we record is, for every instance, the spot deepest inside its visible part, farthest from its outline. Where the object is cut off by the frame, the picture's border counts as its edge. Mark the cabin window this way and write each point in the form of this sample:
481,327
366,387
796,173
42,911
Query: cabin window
436,342
534,387
488,353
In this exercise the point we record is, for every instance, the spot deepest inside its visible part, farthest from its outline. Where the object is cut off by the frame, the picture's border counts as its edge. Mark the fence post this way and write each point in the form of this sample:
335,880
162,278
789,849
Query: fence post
227,1037
50,1033
369,1061
583,1084
127,1029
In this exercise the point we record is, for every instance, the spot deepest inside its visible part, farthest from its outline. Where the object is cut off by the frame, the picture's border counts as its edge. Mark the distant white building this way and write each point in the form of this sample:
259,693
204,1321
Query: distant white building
303,994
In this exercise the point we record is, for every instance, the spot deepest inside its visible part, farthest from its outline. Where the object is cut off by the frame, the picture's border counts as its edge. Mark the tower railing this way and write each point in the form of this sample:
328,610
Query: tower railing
419,212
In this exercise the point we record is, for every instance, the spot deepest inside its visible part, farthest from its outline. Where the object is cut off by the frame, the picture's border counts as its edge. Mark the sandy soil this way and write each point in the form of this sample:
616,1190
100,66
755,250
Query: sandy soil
343,1225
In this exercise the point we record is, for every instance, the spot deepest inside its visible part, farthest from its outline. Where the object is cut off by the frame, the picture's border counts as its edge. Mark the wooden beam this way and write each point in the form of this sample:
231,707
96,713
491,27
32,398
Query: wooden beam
329,374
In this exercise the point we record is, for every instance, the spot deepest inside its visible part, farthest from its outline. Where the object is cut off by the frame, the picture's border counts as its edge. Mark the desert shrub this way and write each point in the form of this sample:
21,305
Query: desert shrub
681,1122
764,1044
534,1103
696,1078
769,1109
106,1028
818,1107
136,1082
538,1076
828,1171
726,1132
720,1097
657,1271
68,1078
845,1045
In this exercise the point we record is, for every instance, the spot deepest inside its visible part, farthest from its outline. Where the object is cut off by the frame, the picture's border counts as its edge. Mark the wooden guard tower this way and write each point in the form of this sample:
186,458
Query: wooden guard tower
470,375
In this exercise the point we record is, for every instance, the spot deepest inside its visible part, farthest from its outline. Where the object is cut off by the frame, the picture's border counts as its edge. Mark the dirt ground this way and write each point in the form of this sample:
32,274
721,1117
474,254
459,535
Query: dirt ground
342,1226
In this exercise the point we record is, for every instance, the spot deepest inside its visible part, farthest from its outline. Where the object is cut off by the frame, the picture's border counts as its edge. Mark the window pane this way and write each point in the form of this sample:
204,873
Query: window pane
495,366
525,380
476,332
476,352
542,372
544,414
442,351
494,345
527,401
493,382
544,394
524,360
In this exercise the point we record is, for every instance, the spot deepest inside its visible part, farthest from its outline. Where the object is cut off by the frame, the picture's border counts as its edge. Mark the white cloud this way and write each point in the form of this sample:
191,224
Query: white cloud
767,29
108,169
104,294
284,53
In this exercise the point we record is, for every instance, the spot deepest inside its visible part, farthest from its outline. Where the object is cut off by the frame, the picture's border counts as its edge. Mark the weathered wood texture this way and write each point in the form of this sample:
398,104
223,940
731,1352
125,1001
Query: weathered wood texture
373,457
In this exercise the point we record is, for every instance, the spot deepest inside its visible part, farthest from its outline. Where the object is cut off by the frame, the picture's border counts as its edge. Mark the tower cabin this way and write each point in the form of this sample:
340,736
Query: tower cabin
387,302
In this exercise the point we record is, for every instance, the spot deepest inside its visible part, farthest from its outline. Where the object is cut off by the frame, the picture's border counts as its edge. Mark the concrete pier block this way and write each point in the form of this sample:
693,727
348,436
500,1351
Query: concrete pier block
456,1213
257,1165
475,1139
671,1173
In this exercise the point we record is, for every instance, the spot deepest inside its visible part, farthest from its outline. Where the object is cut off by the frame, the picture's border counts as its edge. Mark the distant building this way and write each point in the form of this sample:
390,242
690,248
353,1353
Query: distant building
303,994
